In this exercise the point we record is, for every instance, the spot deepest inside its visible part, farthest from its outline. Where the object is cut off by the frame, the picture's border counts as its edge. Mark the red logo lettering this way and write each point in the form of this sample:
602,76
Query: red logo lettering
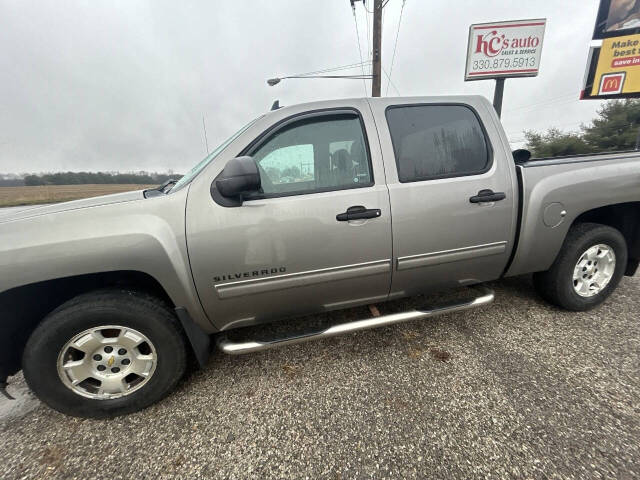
490,44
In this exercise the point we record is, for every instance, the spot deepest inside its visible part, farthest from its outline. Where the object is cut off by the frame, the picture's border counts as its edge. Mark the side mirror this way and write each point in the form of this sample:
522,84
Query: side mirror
240,175
521,155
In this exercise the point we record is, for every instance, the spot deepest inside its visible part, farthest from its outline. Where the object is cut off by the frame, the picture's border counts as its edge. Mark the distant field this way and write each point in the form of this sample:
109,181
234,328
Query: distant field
15,196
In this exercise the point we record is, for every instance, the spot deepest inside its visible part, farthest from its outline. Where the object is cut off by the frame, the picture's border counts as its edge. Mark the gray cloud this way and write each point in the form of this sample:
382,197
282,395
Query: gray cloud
123,85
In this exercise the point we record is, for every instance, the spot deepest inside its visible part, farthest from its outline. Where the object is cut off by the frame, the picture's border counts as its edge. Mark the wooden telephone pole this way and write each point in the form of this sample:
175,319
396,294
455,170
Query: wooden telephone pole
376,85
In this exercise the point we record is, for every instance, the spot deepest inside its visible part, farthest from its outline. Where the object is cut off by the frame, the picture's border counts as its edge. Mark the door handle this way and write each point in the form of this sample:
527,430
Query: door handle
486,196
358,213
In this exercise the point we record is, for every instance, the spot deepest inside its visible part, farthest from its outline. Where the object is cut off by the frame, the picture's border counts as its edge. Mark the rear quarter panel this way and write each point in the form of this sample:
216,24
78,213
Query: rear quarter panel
578,185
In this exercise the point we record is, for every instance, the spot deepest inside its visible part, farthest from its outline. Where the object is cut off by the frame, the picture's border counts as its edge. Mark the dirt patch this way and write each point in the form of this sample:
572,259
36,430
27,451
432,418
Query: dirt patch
414,353
291,370
440,354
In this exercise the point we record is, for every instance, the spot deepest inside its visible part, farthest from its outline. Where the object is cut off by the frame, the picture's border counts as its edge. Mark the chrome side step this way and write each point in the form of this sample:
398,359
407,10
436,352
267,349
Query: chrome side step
484,297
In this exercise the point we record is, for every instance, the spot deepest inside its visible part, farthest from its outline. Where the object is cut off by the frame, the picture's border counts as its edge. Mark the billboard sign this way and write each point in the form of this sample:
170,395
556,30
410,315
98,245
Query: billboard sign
505,49
613,68
617,18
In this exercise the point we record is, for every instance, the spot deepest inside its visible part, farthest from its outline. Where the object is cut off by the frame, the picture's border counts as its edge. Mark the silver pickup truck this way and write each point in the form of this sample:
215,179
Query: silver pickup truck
306,209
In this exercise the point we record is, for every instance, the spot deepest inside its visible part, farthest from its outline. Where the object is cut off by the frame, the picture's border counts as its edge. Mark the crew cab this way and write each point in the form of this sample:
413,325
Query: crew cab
309,208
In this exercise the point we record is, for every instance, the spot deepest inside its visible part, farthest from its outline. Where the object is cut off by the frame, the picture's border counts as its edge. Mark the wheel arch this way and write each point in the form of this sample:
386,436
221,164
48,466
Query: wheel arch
24,307
624,217
540,244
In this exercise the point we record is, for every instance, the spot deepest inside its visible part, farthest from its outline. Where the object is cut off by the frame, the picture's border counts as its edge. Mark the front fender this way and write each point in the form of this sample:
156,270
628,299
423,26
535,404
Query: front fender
146,235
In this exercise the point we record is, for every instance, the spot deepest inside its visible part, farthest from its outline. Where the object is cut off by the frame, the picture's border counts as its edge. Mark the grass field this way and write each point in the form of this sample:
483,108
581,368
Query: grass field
15,196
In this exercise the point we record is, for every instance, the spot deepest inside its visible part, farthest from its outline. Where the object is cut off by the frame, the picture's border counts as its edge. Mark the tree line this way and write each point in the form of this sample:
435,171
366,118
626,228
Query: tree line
83,178
616,128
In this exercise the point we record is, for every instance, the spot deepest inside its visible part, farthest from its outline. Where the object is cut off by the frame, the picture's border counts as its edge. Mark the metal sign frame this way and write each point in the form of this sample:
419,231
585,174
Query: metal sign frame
497,74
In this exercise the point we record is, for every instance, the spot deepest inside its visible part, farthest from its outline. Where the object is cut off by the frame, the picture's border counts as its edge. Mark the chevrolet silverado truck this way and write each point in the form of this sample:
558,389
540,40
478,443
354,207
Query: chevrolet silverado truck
306,209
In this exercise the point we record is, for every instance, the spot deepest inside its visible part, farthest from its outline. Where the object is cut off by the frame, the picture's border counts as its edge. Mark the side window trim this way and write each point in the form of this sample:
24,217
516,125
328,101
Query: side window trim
487,141
269,133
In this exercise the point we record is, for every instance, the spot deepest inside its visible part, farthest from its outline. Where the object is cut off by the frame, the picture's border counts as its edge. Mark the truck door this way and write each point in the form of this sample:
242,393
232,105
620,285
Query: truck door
452,194
317,238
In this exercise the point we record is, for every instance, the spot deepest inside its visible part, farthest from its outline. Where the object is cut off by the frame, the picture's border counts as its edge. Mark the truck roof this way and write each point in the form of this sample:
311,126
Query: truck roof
318,105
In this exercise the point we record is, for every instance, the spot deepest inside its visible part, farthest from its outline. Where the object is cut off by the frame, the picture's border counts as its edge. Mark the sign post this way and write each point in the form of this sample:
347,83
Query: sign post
502,50
498,94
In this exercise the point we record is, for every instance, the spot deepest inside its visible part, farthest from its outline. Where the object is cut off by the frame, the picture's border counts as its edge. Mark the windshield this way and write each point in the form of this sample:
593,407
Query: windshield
200,166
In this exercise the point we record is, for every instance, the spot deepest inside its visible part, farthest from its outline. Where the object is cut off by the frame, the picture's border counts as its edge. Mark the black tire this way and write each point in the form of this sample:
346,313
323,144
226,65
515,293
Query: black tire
142,312
556,284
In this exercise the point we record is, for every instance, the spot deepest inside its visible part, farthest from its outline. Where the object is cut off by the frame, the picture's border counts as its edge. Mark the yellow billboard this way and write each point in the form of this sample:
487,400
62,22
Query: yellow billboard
618,68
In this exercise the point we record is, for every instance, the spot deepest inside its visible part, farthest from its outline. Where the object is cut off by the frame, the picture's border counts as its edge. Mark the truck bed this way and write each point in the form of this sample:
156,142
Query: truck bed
554,192
593,157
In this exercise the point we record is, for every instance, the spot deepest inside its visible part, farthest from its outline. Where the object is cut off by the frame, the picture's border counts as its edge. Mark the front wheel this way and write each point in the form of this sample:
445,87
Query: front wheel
105,353
587,270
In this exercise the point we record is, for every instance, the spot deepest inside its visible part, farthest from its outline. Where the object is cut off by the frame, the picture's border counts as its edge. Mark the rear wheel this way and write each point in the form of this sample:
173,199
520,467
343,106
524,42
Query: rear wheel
587,270
105,354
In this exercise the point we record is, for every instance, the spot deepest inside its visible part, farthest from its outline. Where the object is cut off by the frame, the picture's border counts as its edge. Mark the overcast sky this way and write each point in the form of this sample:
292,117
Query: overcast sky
123,85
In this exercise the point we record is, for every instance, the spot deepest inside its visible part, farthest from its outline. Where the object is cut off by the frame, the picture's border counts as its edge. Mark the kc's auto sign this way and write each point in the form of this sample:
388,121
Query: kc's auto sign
505,49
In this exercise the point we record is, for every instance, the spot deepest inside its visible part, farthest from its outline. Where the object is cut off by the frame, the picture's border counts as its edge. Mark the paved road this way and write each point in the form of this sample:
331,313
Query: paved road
516,390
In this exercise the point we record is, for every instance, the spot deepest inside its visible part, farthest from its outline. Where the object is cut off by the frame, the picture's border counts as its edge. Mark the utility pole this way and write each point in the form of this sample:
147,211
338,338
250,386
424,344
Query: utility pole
376,85
376,82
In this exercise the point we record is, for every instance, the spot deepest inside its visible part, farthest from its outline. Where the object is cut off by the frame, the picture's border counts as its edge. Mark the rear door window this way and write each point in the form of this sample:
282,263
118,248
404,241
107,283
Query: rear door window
437,141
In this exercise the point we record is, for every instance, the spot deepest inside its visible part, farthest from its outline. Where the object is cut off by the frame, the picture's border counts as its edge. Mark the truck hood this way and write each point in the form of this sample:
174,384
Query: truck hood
18,213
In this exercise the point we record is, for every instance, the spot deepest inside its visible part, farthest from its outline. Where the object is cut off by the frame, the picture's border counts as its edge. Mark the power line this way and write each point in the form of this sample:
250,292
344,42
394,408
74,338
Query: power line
335,69
395,46
206,142
319,74
348,77
355,19
391,83
573,95
530,109
328,70
366,19
384,4
566,98
275,81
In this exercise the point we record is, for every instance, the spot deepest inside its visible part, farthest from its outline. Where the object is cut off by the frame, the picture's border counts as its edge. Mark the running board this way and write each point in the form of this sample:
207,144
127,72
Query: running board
484,297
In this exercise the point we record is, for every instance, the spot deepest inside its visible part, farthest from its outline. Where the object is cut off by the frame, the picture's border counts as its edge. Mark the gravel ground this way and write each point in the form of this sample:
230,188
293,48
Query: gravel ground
514,390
